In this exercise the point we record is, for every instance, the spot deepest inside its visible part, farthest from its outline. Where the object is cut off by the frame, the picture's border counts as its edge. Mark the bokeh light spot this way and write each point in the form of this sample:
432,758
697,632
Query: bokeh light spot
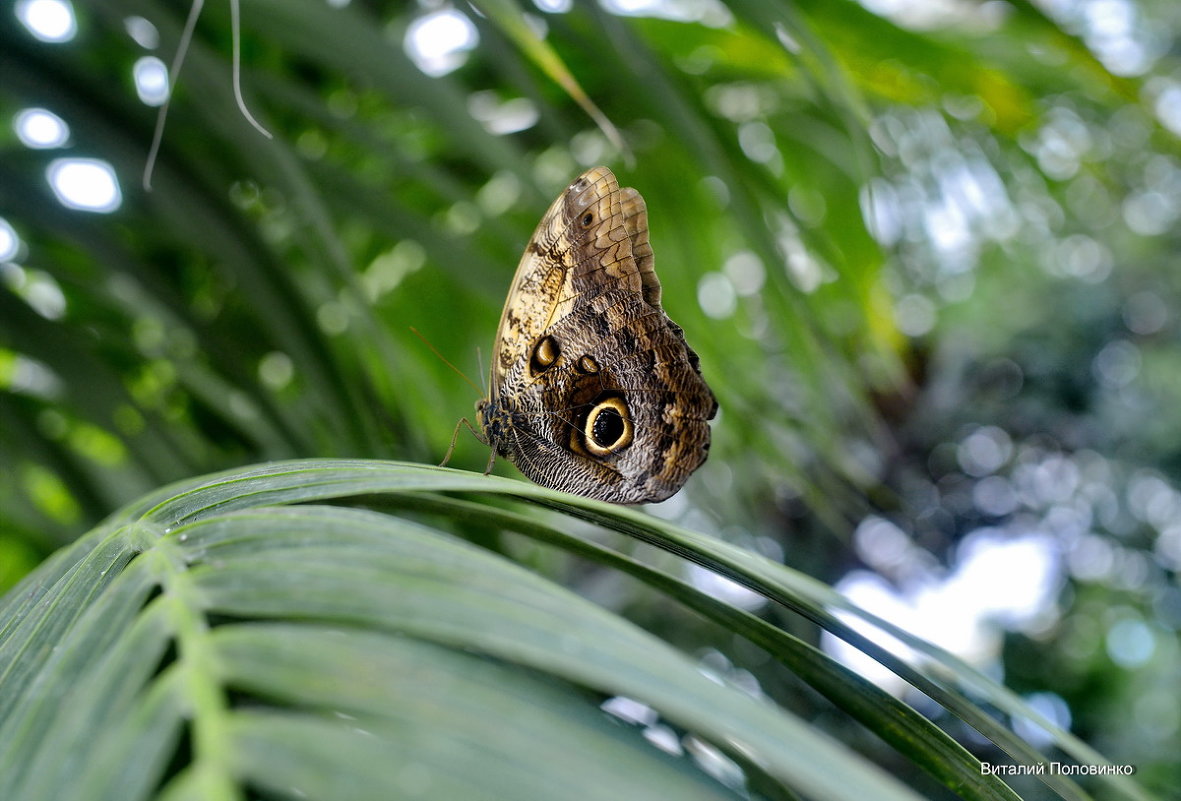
881,544
40,129
746,273
1150,213
1130,642
1053,709
915,315
151,80
276,370
85,184
1117,365
333,318
438,43
984,451
1145,313
994,496
716,296
10,242
46,491
510,116
1168,107
48,20
145,34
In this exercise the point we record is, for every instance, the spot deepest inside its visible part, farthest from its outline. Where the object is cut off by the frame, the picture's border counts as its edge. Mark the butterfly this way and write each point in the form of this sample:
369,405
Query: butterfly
593,388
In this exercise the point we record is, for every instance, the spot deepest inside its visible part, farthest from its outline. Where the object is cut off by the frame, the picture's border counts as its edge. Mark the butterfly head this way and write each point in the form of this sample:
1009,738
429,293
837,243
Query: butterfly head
494,421
482,415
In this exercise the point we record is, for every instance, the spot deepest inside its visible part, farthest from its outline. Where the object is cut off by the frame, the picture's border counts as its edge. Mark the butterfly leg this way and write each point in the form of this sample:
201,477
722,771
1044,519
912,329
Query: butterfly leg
455,436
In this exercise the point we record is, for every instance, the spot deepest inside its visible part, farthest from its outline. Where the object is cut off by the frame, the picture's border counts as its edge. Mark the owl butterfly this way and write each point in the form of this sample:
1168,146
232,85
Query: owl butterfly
593,388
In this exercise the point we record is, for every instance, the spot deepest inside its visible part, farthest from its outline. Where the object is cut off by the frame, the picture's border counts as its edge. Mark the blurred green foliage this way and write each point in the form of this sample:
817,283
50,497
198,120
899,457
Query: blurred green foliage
887,228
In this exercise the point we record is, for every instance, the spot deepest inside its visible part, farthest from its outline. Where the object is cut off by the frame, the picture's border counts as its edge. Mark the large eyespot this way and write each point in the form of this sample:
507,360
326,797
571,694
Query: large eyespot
608,428
545,353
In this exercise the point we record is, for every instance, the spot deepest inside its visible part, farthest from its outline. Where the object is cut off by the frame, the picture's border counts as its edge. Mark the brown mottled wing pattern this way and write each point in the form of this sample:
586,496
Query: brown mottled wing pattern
594,390
563,260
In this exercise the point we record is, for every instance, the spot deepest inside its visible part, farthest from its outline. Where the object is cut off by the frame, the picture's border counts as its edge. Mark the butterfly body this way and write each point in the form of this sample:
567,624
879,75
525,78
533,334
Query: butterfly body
594,390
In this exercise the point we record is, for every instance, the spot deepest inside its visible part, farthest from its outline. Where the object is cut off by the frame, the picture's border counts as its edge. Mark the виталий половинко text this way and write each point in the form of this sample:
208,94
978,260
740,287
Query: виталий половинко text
1055,769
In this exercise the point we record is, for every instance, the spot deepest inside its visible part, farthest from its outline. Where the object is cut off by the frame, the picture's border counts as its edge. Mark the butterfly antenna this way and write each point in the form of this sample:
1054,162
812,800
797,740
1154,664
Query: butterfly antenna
443,359
480,362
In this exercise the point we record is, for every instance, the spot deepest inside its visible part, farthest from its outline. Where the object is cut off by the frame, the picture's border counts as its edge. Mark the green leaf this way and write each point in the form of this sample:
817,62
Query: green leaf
283,643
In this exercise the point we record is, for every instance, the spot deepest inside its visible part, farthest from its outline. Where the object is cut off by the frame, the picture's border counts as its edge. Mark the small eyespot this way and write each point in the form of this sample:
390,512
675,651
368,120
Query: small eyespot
545,353
587,219
587,365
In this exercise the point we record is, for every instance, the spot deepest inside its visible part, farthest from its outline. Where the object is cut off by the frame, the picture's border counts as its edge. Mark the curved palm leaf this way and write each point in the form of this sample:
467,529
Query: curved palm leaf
334,652
231,633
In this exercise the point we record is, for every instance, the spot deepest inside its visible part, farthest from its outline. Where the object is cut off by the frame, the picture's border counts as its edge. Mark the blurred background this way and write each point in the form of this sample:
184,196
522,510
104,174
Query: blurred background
927,251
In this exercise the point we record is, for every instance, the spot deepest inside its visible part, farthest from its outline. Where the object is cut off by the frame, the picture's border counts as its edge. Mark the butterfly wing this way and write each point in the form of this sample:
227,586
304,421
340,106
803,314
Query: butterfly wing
594,389
567,258
625,416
